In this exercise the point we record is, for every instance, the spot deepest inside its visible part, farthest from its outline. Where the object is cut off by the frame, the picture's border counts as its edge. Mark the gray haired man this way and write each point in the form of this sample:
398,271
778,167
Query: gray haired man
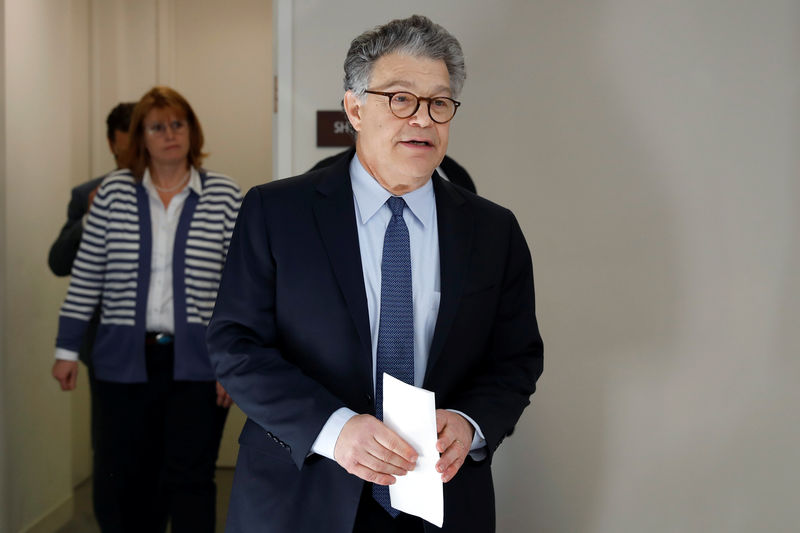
374,264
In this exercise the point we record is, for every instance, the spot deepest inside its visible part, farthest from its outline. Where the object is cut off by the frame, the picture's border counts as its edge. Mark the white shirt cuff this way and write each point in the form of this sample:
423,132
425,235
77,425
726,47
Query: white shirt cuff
66,355
325,443
477,449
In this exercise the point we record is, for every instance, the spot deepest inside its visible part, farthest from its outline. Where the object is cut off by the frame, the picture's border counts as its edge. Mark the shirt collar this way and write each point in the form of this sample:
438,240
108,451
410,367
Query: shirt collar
195,183
371,196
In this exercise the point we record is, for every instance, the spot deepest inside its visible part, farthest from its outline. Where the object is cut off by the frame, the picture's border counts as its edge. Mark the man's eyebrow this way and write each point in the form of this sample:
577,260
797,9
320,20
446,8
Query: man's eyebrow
437,91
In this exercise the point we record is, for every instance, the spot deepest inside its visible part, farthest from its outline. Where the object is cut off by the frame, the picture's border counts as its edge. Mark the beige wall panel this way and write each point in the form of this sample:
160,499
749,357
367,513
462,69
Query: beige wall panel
80,152
124,65
223,66
46,78
4,397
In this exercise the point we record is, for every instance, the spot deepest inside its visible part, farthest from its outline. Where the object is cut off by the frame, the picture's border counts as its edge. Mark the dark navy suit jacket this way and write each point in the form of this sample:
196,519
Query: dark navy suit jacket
290,342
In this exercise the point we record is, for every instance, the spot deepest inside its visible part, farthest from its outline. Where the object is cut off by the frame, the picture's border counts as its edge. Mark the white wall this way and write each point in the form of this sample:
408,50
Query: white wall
650,151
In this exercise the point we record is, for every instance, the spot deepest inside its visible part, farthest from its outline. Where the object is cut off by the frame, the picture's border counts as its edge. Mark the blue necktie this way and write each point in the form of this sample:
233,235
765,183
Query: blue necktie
396,330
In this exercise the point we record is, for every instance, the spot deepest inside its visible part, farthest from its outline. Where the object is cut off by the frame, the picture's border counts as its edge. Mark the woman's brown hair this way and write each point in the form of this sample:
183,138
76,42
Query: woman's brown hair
136,157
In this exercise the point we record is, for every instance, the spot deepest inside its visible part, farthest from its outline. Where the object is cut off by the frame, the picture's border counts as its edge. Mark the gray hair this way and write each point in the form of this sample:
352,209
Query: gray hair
415,36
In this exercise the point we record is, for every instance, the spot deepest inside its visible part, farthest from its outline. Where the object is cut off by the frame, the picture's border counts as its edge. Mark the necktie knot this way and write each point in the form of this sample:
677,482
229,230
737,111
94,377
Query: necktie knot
396,204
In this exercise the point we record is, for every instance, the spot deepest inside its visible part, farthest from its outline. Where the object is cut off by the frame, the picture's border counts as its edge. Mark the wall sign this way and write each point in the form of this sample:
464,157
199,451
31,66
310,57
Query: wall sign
333,129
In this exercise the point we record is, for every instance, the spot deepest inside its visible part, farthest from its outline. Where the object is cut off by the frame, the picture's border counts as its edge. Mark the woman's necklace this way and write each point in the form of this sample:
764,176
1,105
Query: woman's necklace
174,187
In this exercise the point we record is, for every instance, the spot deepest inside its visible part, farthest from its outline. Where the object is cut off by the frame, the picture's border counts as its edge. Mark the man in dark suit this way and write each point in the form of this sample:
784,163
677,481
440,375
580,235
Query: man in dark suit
373,265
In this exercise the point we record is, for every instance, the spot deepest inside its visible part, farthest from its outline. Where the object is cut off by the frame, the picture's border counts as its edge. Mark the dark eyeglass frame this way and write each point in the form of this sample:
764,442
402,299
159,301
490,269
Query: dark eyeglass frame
391,95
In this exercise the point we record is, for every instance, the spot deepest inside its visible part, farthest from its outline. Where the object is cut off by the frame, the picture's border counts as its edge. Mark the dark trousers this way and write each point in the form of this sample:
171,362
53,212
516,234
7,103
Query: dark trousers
92,405
372,518
156,448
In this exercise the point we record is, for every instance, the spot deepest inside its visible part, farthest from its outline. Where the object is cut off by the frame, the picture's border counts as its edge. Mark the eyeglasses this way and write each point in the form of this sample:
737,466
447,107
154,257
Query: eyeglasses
159,129
403,104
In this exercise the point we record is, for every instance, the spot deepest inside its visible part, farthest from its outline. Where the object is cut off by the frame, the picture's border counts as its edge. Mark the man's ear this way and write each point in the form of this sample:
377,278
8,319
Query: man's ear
352,107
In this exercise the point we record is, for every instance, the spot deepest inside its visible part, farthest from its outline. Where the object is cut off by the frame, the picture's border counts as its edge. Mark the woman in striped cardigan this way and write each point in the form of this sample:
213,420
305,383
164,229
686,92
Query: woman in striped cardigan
150,257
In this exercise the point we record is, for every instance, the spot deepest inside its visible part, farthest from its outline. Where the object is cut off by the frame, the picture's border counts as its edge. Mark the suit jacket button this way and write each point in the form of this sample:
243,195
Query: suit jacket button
369,397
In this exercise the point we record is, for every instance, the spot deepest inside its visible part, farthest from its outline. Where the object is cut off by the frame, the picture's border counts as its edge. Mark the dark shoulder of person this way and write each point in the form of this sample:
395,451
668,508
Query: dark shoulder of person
330,161
455,172
91,184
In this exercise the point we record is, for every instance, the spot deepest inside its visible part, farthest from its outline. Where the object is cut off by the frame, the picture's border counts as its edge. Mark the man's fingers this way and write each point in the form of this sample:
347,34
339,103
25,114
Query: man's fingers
455,438
441,421
381,465
369,468
451,460
395,450
452,470
368,449
370,475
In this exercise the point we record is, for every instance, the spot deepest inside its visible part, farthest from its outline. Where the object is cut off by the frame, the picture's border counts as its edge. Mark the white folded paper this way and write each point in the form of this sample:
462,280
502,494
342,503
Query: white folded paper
411,413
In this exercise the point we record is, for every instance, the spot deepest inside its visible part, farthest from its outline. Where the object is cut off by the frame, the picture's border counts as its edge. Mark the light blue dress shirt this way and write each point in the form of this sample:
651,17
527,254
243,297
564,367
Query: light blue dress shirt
372,217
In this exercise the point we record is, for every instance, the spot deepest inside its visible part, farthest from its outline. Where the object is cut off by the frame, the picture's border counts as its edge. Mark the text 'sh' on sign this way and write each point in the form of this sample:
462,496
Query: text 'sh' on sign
332,129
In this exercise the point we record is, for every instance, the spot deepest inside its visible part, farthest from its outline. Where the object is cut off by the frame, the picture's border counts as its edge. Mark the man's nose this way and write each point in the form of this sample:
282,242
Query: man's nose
422,117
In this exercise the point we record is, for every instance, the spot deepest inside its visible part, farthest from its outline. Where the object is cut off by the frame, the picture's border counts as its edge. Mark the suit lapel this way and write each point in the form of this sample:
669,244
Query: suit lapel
455,240
336,220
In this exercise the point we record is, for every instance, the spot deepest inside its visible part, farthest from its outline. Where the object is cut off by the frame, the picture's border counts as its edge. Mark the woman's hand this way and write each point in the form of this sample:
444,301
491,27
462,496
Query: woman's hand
223,398
66,373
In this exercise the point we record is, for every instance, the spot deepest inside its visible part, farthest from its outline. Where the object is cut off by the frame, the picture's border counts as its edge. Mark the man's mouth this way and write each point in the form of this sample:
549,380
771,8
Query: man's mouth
416,142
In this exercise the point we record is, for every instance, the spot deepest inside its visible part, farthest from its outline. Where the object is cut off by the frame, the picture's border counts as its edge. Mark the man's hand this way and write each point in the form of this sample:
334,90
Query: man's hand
455,439
223,398
92,194
368,449
66,372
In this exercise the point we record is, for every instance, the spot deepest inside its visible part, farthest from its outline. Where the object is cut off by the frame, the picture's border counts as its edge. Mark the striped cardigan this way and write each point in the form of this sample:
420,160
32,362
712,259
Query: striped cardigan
112,270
